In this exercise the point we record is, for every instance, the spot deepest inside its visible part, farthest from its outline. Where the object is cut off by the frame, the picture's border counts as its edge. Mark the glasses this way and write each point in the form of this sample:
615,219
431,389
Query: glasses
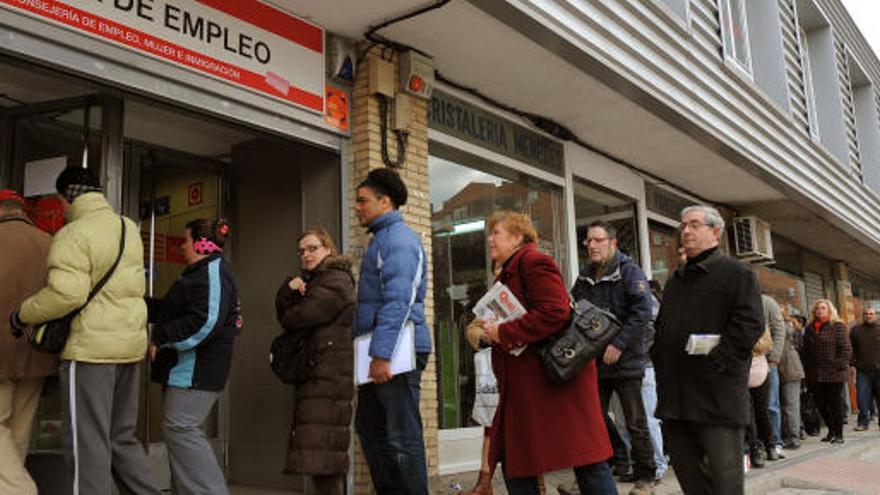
308,249
594,240
693,225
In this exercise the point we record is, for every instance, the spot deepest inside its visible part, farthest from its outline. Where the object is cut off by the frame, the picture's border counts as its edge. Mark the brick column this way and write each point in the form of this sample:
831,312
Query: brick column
366,150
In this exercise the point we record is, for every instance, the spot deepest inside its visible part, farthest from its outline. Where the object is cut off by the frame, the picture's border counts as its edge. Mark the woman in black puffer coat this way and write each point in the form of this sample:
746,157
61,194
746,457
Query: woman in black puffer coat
321,302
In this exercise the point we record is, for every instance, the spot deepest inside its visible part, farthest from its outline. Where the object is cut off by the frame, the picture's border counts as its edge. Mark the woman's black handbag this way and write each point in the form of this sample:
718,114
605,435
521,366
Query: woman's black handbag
586,336
51,336
291,357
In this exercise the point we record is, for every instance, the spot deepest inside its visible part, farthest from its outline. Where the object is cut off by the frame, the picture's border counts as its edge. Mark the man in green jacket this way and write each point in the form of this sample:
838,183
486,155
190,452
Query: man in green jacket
108,338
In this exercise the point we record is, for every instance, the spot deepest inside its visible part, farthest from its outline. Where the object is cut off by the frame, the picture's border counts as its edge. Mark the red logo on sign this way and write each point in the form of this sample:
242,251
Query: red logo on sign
194,194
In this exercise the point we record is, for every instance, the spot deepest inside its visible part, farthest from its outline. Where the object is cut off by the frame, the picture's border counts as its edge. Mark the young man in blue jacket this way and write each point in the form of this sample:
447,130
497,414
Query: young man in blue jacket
391,293
614,282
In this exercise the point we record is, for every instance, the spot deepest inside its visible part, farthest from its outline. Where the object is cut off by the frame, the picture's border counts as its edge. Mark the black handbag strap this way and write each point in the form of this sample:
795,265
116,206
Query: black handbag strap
100,285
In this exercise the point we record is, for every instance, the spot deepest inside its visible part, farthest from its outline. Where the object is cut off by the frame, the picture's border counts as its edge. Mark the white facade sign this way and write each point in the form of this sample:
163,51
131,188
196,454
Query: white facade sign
243,42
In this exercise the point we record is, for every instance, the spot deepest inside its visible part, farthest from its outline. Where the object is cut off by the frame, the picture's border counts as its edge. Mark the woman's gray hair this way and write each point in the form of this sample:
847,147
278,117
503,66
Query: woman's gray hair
712,216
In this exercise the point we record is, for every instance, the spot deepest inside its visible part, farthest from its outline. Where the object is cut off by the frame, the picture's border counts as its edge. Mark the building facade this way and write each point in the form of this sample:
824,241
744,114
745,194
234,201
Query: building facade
625,111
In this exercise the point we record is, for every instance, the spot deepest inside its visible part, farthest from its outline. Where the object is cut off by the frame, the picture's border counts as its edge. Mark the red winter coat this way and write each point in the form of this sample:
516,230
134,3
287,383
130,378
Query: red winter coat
541,426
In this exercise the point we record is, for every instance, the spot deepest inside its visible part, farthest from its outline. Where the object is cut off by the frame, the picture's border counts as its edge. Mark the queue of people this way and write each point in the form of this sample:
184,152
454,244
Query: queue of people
704,407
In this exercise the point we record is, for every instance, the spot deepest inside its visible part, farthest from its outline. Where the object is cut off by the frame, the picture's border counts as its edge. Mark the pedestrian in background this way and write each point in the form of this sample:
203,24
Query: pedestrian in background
774,321
614,282
539,426
703,400
100,363
321,303
191,350
23,369
865,339
759,434
791,376
826,356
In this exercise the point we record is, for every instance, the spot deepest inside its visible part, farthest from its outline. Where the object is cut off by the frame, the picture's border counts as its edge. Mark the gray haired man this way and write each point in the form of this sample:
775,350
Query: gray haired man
703,397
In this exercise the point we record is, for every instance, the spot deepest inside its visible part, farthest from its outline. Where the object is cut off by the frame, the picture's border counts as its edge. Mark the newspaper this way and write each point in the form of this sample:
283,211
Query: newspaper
499,304
699,344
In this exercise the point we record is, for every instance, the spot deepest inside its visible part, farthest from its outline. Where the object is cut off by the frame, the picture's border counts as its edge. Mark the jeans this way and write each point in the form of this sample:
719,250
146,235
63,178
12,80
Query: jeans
629,391
649,397
791,408
868,384
620,446
594,479
773,408
389,425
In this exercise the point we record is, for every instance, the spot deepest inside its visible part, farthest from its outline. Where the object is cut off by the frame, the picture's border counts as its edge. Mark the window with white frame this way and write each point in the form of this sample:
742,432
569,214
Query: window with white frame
866,121
735,32
809,91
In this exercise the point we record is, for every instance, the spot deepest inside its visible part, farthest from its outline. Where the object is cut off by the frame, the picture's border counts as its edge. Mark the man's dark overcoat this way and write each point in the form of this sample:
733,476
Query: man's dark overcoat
712,294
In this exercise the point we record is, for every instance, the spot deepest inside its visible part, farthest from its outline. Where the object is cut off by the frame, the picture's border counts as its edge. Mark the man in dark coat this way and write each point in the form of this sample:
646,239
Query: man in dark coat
704,396
865,339
614,282
23,255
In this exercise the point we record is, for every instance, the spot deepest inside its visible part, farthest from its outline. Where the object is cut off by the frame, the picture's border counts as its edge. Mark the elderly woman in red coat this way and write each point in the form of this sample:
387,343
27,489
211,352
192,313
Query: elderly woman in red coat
539,425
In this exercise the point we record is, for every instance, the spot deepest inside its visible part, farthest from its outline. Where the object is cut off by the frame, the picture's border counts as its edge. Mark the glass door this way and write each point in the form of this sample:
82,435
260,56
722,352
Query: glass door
174,189
39,140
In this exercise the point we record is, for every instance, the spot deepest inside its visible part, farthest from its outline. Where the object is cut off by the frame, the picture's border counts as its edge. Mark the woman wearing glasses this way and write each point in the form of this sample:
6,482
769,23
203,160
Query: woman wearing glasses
321,301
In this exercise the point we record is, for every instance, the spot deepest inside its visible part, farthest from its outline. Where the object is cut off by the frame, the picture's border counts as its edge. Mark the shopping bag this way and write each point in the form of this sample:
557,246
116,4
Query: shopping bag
486,387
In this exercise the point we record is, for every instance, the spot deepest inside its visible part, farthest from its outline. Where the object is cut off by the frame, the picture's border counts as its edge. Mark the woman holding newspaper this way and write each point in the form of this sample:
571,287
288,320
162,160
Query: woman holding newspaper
539,426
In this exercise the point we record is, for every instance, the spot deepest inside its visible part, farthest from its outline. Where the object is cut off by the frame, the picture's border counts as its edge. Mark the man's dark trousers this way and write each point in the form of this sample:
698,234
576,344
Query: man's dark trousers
708,459
389,425
868,385
629,391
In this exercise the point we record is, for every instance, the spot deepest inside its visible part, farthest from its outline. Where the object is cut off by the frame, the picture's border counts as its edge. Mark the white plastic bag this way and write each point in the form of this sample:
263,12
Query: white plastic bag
486,399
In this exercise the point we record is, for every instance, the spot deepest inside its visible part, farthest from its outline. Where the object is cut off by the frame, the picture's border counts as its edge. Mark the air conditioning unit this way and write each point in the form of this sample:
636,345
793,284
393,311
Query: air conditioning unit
753,240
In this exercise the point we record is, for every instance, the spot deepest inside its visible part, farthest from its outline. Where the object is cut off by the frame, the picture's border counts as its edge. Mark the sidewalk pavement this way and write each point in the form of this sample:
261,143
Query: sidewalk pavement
816,468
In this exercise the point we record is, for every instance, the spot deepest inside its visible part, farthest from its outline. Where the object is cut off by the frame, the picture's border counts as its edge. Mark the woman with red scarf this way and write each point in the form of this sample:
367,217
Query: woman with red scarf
826,355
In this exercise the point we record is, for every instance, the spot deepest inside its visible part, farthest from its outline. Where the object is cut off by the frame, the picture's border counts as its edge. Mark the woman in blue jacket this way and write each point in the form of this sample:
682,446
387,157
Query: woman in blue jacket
191,351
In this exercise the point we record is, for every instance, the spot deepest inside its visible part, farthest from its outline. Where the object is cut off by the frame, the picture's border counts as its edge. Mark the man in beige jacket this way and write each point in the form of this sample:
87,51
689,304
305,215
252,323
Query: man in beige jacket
108,338
22,370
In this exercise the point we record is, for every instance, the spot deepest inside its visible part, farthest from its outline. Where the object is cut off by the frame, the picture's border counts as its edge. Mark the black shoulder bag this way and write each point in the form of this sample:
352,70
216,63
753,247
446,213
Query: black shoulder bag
292,356
51,336
586,335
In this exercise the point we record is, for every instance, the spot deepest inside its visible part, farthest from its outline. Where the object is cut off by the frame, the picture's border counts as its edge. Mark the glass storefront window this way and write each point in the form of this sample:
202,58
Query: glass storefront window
592,203
786,289
866,294
465,191
663,242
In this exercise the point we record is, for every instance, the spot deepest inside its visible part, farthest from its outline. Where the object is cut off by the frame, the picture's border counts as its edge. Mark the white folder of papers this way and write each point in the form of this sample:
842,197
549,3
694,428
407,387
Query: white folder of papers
403,359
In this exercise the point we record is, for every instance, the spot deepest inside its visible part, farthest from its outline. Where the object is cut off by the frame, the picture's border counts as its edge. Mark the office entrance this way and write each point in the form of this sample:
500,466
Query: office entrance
162,166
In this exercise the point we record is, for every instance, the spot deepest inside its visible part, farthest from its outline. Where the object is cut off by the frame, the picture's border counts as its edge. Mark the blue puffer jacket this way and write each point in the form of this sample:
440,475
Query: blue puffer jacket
394,271
624,291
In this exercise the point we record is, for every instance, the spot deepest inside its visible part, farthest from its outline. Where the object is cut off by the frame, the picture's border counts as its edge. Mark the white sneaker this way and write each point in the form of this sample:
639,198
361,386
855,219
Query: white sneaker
779,451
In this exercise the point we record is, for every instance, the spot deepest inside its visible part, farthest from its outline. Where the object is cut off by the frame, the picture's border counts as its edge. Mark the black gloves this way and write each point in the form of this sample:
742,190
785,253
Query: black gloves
16,325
